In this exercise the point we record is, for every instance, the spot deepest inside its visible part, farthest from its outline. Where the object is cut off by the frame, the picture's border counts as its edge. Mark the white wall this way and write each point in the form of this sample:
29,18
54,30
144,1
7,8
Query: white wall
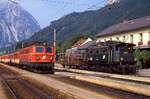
127,35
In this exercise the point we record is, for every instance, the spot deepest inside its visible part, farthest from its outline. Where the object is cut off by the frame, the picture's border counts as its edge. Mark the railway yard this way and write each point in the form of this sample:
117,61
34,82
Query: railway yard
71,84
100,51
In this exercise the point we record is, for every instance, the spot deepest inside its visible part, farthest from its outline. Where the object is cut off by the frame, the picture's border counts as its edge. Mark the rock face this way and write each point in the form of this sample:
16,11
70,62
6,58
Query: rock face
16,24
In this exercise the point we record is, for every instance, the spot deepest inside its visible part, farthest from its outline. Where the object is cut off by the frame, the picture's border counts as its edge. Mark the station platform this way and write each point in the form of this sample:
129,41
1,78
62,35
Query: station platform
144,72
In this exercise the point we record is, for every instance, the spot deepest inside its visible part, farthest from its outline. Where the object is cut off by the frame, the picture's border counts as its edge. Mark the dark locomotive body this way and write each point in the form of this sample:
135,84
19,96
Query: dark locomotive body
109,56
112,57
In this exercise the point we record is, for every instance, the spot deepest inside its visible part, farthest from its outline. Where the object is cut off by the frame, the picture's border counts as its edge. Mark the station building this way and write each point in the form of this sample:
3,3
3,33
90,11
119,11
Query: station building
135,31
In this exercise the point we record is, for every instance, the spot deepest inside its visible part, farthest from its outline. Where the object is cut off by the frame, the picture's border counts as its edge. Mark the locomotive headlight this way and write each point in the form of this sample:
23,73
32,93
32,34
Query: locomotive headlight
91,58
37,58
51,58
104,56
121,59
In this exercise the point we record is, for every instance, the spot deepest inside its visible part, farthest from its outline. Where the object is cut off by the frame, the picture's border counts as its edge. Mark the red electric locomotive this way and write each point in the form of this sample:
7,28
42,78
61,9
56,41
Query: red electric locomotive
36,57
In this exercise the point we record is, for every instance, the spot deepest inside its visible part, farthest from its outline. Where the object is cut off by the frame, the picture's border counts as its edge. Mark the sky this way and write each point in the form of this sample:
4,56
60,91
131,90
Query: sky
46,11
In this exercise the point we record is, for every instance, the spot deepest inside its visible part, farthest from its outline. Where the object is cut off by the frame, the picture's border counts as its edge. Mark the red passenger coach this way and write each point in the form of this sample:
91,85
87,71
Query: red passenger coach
37,57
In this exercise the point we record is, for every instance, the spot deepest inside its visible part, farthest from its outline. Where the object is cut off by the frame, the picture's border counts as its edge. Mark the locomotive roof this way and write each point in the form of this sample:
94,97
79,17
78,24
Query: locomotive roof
126,26
94,44
117,43
36,44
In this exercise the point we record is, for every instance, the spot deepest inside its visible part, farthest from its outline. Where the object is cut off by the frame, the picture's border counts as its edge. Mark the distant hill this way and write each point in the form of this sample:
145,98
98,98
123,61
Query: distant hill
16,24
92,22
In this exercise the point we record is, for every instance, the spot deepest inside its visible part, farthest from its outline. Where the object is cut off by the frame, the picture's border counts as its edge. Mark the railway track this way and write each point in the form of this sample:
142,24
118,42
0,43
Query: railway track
13,95
114,93
22,87
129,78
19,88
74,81
128,83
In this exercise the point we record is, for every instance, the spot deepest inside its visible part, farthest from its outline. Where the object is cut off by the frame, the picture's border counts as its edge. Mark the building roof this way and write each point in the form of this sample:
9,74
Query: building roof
126,26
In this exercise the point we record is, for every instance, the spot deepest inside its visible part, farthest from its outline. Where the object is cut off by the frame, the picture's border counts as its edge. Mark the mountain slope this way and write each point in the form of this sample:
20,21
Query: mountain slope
92,22
16,24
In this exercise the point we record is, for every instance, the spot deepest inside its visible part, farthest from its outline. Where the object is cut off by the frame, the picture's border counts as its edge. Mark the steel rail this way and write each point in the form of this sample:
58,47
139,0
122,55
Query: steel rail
11,90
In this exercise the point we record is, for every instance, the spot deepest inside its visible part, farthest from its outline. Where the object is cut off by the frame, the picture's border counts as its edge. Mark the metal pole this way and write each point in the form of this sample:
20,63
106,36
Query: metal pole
22,45
54,43
54,37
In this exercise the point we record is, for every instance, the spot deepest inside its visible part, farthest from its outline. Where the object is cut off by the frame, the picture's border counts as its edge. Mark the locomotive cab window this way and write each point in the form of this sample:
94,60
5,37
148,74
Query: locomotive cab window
39,49
48,50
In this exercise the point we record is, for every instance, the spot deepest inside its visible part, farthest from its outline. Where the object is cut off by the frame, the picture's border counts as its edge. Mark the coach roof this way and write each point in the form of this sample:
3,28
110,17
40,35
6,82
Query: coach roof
126,26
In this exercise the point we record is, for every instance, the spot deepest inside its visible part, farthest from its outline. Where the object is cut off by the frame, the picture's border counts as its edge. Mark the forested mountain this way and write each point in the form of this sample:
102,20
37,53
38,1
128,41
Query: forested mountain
93,22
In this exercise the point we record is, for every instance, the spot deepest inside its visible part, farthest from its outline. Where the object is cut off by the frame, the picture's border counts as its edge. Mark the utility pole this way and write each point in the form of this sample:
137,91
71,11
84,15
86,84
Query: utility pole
54,43
22,45
54,37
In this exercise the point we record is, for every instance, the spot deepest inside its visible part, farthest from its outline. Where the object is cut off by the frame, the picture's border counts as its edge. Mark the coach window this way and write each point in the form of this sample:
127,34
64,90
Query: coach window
48,50
39,49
